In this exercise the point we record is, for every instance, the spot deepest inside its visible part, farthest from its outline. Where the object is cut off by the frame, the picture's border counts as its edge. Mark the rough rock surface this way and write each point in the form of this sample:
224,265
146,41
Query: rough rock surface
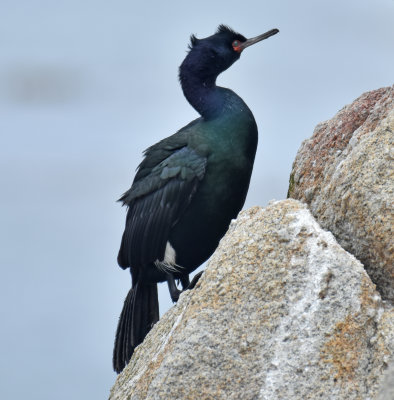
345,173
387,390
282,312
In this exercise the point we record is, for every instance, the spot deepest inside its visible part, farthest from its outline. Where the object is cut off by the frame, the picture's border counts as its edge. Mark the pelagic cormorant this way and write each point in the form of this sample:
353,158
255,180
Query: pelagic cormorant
187,188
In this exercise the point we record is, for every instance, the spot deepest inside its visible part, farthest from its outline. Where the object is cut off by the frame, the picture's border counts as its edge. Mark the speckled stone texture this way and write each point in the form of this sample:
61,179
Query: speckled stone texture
387,388
282,312
345,173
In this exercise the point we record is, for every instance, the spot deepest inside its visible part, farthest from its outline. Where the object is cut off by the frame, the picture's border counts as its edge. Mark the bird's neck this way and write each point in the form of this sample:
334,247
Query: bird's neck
203,94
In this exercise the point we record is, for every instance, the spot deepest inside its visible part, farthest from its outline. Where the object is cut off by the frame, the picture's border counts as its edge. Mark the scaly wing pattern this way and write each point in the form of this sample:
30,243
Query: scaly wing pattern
164,186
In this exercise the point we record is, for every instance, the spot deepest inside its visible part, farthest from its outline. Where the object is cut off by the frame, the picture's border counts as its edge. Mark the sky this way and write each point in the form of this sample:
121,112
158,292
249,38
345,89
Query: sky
85,87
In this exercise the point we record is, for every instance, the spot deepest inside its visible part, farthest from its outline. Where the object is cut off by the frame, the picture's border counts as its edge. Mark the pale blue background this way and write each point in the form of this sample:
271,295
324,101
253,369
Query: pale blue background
85,86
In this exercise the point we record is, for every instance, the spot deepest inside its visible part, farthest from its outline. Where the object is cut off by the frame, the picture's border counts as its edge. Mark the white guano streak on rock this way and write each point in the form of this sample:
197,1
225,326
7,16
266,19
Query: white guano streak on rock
301,311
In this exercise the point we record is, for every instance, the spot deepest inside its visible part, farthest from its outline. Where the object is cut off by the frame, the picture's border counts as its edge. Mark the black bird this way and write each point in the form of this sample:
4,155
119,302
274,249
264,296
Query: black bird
187,189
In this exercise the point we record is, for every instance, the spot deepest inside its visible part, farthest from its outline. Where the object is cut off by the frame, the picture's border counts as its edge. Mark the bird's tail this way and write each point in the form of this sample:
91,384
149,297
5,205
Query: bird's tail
140,312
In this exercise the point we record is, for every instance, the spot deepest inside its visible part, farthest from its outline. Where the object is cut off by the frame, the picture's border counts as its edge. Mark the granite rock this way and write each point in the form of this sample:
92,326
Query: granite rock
387,389
281,312
345,173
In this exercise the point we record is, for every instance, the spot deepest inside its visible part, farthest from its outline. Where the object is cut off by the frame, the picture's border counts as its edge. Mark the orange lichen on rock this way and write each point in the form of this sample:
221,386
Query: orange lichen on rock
345,348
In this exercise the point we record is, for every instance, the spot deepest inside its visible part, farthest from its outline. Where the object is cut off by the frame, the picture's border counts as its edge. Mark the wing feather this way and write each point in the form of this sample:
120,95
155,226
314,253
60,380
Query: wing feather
156,202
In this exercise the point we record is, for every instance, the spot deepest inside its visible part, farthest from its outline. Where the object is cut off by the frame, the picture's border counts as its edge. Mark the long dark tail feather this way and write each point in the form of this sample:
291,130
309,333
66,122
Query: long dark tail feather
140,312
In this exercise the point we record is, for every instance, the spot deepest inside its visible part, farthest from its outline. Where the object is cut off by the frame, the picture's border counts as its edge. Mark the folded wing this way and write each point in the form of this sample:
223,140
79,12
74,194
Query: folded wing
164,186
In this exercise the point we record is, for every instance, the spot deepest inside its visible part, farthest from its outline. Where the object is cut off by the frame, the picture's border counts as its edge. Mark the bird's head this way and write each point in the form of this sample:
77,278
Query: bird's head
210,56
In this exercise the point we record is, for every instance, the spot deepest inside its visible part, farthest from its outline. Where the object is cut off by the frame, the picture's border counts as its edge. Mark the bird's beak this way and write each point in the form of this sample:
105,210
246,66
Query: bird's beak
259,38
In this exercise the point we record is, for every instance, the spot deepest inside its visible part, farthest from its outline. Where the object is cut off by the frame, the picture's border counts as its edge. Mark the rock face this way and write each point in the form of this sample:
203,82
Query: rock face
387,388
282,312
345,173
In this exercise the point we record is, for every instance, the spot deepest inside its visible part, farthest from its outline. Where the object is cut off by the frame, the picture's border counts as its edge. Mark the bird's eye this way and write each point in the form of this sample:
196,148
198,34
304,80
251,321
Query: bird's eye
236,46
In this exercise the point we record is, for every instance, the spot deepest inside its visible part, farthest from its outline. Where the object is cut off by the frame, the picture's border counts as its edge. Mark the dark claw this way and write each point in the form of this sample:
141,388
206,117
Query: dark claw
195,280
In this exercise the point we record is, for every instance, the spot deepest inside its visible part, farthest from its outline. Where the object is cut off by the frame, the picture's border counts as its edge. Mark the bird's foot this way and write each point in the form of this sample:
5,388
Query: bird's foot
185,281
175,295
194,281
174,291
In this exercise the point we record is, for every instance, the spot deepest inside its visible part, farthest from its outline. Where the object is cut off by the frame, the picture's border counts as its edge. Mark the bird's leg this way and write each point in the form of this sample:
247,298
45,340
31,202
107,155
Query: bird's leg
186,284
185,281
174,291
194,281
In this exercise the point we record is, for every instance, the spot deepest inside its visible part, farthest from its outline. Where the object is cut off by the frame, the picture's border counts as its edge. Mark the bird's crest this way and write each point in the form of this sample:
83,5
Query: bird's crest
193,41
221,29
226,29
